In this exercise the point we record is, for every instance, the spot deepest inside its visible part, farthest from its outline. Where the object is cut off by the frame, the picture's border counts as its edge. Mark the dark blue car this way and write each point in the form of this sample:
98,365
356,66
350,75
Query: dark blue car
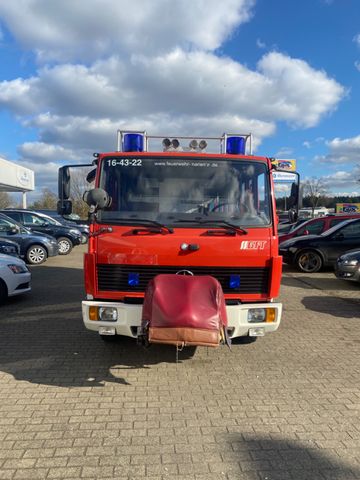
35,248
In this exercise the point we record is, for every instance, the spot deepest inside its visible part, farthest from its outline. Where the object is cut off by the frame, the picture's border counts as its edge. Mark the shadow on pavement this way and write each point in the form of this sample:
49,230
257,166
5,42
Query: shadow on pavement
336,306
43,340
319,283
264,458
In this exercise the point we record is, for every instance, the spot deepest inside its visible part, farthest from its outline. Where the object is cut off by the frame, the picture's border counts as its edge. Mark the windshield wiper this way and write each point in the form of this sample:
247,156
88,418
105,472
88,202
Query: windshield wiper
145,222
221,223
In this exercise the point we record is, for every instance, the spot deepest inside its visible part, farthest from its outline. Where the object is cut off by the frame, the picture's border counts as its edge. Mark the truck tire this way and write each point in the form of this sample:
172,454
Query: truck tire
309,261
65,245
36,254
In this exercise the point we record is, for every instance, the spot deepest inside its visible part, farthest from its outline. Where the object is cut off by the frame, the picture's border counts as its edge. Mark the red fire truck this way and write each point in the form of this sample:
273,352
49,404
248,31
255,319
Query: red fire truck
179,210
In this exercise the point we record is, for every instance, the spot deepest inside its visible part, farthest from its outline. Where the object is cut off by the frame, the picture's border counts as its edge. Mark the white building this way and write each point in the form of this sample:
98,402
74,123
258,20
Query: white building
15,178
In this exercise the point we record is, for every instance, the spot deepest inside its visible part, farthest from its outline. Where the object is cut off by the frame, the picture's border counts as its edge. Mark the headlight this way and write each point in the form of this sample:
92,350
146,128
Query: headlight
17,268
108,314
350,262
75,232
258,315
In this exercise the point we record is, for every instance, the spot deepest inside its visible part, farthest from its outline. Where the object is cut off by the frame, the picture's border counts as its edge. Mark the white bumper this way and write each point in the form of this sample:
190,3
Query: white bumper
129,318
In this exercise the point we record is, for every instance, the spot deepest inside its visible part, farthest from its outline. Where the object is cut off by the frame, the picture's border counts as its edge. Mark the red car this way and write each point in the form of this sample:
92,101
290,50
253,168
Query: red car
316,226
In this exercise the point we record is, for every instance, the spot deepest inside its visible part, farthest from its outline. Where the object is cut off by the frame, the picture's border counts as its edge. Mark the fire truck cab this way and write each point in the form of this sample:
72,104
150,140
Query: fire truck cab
180,210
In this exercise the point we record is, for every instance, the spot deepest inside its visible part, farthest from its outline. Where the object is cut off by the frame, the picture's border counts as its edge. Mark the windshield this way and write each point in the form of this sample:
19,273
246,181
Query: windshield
175,190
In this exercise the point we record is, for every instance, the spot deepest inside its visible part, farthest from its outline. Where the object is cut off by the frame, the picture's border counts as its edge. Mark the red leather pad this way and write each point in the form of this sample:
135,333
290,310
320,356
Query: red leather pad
181,309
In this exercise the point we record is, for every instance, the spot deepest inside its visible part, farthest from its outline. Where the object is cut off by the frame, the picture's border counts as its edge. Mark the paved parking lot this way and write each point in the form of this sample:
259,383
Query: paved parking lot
284,407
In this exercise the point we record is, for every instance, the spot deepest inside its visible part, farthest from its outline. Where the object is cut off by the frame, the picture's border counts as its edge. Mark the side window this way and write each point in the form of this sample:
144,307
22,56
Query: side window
351,231
31,220
336,221
262,206
314,228
15,216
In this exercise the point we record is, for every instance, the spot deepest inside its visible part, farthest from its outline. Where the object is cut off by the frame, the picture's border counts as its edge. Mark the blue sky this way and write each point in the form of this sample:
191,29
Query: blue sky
287,71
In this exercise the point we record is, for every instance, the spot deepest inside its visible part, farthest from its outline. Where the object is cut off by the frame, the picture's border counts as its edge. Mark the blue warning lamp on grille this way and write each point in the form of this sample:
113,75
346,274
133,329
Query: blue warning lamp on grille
234,281
133,279
133,142
235,145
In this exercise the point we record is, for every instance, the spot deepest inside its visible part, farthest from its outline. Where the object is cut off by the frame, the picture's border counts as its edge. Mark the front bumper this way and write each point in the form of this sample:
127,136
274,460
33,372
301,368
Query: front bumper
347,272
19,283
76,240
129,318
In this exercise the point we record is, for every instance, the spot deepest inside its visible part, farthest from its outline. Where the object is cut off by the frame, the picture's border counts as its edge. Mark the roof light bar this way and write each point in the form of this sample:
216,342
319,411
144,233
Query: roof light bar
138,141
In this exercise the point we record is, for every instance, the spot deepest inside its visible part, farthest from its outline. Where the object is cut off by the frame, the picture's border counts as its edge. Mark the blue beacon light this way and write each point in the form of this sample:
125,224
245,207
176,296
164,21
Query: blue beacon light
133,279
235,145
133,142
234,281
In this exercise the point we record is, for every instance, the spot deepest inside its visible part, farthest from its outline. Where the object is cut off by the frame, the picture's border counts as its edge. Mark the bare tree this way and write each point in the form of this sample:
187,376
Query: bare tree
78,185
314,189
47,201
5,200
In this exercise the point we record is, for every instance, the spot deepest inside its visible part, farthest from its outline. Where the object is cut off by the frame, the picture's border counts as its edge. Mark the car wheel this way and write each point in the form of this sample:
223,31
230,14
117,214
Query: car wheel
3,292
65,245
84,238
36,255
309,261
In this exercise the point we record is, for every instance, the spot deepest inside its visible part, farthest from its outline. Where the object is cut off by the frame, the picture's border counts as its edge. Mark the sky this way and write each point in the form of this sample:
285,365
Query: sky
73,73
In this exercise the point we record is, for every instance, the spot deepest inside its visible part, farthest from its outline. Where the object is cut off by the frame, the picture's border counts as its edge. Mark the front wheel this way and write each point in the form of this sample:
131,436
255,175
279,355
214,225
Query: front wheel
309,261
36,254
65,245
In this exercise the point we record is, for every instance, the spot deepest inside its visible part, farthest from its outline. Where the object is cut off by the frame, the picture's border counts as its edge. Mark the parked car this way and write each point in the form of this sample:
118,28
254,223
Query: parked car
14,277
312,252
8,247
347,266
285,227
67,237
35,248
53,215
315,226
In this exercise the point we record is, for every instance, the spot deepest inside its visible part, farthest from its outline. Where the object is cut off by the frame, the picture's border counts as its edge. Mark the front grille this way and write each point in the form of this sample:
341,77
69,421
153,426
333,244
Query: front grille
115,277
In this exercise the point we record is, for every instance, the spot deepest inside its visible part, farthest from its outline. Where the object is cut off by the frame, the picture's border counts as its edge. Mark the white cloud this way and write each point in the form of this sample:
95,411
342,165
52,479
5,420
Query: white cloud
300,94
70,30
260,43
356,39
179,83
342,151
347,180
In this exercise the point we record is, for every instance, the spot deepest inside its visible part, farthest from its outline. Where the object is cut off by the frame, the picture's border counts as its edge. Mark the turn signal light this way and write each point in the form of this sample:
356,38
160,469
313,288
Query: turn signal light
93,313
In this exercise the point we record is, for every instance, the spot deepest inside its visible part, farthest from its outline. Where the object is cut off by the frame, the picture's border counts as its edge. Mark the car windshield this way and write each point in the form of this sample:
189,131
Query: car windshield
186,189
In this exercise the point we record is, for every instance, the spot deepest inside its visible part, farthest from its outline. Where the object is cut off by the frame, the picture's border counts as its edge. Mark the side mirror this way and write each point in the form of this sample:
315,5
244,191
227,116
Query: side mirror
90,177
64,207
98,198
306,232
15,229
293,215
339,236
64,183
